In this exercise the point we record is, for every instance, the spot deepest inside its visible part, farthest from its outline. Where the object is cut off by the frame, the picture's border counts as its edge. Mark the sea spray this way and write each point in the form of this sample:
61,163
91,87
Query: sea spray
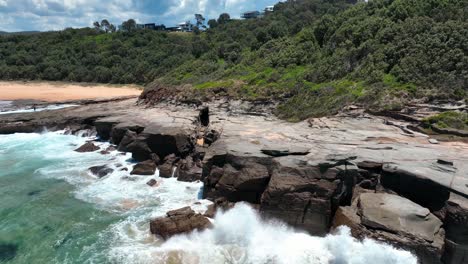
57,212
241,236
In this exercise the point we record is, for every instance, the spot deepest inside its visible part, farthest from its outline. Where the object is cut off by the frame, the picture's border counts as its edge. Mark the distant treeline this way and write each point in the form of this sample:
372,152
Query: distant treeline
404,47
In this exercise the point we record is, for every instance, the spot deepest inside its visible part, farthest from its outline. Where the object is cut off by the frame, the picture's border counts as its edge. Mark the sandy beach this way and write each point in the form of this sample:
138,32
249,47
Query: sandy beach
61,91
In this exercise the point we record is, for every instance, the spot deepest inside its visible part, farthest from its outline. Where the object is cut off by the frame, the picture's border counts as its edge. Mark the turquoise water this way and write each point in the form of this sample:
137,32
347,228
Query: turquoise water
39,215
53,211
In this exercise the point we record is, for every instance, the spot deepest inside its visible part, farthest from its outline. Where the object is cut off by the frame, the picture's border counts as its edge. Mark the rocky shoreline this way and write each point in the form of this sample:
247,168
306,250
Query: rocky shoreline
376,175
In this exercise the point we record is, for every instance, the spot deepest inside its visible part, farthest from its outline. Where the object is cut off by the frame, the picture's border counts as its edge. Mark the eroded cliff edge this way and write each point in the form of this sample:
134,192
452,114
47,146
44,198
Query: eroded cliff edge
358,170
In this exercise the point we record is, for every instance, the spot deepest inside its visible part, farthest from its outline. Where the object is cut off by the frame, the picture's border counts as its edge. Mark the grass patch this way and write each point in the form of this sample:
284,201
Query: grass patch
214,84
450,119
391,81
317,100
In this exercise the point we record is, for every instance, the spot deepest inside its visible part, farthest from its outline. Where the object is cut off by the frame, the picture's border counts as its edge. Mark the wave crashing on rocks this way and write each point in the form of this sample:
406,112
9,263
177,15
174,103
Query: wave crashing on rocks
241,236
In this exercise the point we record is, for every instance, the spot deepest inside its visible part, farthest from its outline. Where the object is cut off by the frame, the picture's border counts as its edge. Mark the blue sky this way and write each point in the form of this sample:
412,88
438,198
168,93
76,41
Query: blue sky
42,15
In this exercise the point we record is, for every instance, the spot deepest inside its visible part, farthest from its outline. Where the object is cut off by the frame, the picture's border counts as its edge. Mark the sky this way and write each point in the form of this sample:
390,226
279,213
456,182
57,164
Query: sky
44,15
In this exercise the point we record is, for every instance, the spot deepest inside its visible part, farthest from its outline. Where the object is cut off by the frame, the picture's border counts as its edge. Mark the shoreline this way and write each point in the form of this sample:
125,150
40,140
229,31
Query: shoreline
322,171
33,92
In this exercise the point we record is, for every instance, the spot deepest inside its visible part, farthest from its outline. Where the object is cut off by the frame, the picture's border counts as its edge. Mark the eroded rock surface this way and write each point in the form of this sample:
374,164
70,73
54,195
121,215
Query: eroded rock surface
179,221
87,147
147,167
396,220
309,174
101,171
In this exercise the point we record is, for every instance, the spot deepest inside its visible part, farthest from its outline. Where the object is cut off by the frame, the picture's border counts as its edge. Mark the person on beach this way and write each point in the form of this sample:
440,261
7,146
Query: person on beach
34,107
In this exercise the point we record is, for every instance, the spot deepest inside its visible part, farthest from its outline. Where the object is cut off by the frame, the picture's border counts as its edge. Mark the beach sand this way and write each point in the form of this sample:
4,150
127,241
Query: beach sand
61,91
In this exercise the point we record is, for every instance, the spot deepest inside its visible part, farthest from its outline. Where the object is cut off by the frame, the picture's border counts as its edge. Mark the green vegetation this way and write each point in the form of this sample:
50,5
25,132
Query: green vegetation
316,56
450,119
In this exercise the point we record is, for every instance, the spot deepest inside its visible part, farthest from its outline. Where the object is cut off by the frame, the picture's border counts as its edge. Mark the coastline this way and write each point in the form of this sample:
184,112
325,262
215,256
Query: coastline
49,92
320,171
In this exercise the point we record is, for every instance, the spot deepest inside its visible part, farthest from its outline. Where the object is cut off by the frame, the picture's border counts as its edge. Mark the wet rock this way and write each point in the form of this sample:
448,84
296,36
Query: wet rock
152,182
179,221
396,220
219,204
101,171
104,128
166,170
128,178
87,147
144,168
433,141
139,149
108,150
188,171
126,140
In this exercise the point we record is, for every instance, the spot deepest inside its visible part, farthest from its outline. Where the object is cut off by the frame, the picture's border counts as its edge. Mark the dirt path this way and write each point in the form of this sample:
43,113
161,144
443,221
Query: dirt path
61,91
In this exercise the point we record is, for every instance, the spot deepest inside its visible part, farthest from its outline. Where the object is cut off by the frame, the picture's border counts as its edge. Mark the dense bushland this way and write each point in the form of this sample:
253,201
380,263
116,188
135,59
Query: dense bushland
315,55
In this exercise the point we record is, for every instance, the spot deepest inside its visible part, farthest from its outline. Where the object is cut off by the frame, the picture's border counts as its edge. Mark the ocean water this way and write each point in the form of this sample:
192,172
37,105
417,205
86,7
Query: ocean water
53,211
7,108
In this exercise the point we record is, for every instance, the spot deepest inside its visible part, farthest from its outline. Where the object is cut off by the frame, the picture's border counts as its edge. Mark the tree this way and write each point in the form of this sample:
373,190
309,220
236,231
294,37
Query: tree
112,28
129,25
97,26
105,25
212,23
200,20
224,18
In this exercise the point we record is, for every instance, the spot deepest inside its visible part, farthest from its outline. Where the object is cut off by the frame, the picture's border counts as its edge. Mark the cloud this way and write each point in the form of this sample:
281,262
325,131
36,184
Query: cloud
42,15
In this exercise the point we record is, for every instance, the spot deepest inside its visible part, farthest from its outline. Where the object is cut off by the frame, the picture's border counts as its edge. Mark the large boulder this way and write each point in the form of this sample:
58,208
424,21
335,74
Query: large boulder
104,128
126,140
179,221
169,164
167,140
139,149
237,179
300,197
144,168
188,170
118,131
395,220
87,147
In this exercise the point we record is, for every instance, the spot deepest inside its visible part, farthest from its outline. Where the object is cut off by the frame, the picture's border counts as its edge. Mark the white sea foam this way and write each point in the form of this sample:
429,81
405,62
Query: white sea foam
238,236
241,236
38,108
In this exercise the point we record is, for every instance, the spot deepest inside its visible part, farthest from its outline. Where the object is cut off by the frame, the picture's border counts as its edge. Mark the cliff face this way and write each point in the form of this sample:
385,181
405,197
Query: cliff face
383,180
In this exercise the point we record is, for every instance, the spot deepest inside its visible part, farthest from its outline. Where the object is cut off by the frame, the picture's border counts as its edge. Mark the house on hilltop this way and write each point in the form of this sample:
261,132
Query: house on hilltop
251,14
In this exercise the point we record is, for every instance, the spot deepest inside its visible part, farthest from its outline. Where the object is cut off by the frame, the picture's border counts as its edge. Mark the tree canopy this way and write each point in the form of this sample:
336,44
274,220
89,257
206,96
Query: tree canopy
382,48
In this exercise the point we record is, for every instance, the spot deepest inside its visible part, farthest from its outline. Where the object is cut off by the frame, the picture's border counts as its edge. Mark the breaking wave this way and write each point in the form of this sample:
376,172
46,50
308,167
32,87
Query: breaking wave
241,236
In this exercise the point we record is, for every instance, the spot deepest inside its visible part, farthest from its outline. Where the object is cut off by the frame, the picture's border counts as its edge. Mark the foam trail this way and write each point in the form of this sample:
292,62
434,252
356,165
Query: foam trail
38,109
240,236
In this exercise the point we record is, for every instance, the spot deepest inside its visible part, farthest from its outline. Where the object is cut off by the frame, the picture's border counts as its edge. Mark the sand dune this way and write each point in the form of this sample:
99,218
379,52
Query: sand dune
61,91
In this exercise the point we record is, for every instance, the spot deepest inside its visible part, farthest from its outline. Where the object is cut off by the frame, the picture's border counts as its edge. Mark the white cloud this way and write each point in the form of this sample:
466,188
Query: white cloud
17,15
